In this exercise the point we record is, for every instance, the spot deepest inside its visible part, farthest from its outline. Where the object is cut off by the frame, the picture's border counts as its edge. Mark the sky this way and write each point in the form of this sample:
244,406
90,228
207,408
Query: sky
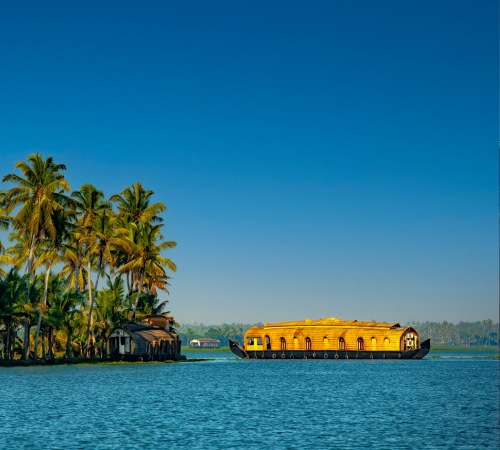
317,159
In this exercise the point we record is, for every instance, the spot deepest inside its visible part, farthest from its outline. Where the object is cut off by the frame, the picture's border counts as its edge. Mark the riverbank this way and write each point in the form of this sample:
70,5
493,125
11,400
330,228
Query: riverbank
75,361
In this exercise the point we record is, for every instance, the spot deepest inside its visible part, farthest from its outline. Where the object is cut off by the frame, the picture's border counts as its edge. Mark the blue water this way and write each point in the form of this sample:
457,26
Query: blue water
228,403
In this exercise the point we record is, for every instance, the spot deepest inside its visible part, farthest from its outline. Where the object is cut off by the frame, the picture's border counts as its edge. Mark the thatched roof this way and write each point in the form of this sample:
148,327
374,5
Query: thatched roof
331,322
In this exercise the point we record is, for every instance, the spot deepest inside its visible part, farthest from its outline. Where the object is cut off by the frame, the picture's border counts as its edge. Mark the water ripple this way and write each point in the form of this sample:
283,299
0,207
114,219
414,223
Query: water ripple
236,404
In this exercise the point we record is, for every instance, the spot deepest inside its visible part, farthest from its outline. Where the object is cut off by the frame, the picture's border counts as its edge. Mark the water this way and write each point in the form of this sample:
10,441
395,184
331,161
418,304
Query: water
228,403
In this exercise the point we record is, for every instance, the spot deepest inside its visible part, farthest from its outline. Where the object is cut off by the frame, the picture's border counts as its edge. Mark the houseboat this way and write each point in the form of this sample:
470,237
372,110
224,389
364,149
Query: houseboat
204,343
152,340
331,338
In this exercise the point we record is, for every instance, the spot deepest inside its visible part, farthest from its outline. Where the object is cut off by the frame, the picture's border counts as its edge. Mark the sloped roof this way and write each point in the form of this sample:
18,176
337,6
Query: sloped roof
331,322
147,331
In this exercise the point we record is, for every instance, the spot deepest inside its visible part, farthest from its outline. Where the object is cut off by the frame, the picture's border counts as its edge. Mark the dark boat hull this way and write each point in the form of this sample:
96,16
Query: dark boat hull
330,354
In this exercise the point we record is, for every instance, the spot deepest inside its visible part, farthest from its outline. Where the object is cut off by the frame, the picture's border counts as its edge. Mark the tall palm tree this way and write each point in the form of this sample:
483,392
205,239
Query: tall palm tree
39,192
145,260
144,265
102,241
86,203
50,254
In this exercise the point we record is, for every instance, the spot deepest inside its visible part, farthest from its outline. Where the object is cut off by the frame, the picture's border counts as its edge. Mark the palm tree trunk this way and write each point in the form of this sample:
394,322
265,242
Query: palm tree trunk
7,342
139,290
68,342
29,270
89,283
43,345
92,296
40,311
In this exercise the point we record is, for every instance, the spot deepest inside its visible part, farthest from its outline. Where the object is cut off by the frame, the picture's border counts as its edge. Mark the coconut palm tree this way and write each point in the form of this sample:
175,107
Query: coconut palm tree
145,260
39,192
136,210
11,306
101,242
134,202
86,203
50,254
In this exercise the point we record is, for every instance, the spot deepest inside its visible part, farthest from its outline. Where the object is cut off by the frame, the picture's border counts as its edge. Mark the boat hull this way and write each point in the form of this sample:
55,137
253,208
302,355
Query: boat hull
419,353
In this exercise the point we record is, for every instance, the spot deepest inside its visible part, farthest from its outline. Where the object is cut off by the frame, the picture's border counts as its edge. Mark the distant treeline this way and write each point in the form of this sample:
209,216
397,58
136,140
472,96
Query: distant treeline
465,334
461,334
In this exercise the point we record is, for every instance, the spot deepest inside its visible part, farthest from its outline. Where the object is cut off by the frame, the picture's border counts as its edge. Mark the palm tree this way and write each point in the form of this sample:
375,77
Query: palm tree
144,267
51,254
39,192
11,306
86,203
145,260
102,241
134,203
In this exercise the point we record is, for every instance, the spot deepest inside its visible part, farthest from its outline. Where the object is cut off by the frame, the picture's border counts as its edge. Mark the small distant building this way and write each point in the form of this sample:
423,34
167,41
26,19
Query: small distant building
152,340
204,343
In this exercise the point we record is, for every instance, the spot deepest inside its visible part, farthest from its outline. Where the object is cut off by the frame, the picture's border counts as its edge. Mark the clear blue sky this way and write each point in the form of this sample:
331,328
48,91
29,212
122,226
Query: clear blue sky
317,159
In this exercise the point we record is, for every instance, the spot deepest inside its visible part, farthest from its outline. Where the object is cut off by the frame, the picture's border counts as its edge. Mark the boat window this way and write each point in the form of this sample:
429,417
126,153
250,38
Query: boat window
410,341
254,343
308,343
341,344
386,342
361,344
374,343
283,343
268,342
326,342
295,343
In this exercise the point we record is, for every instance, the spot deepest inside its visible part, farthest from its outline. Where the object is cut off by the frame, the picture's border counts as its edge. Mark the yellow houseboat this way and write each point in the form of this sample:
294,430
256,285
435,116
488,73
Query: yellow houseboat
331,339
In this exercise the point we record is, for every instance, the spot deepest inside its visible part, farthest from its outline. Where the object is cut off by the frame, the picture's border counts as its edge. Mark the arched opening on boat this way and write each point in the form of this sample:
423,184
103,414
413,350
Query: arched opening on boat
374,343
341,344
267,339
295,343
326,343
283,343
386,342
308,343
361,344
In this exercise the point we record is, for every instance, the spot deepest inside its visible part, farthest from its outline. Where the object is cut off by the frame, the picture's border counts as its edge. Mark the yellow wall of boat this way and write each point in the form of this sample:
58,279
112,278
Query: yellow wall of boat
327,334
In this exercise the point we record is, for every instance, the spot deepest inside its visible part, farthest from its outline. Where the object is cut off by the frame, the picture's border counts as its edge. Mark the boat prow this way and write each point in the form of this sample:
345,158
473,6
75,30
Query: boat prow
425,348
237,349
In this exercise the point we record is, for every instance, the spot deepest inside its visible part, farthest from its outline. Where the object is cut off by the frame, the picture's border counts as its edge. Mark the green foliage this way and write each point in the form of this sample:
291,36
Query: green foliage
87,241
464,334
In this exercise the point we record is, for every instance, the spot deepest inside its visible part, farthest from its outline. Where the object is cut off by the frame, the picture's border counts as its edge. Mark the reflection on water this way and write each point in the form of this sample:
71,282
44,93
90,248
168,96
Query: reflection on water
230,403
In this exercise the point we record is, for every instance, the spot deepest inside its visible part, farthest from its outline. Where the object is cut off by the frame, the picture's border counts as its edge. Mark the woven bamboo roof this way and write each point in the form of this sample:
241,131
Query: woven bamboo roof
149,332
331,322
